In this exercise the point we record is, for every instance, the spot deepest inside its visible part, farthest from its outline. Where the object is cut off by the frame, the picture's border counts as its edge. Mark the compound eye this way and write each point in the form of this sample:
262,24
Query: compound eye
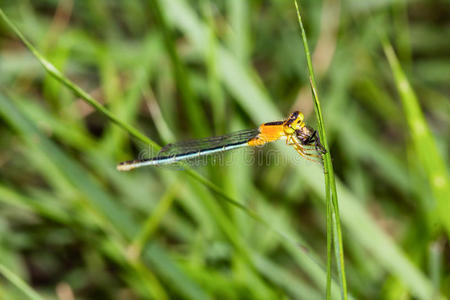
294,116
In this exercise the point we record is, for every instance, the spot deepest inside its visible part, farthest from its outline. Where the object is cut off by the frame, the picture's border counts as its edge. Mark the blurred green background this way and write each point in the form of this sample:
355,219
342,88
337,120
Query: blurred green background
71,226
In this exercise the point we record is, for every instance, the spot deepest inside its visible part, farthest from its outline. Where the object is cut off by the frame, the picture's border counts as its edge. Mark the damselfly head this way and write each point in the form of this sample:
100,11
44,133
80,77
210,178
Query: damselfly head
294,122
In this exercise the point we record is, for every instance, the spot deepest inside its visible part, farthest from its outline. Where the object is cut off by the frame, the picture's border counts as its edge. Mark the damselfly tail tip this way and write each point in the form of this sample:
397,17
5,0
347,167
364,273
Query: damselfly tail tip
125,166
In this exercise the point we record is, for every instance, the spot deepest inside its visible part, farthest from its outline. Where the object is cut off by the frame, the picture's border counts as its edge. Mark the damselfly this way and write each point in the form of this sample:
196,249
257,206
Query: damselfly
304,139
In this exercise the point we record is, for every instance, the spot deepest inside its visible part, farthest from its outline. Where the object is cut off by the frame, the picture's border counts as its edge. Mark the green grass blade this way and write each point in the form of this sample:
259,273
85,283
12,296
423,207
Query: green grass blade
110,216
155,254
424,143
154,220
51,69
42,206
117,218
182,76
19,283
55,73
333,216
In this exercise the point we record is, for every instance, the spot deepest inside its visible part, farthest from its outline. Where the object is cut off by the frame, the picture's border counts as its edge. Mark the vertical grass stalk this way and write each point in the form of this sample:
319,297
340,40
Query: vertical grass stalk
424,144
333,216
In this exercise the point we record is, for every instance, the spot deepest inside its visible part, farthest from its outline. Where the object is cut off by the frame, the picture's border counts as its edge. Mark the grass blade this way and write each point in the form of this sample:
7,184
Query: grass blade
182,76
333,216
19,283
424,143
359,222
55,73
108,214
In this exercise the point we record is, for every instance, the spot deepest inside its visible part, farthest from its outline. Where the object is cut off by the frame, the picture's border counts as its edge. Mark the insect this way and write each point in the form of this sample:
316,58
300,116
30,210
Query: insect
304,139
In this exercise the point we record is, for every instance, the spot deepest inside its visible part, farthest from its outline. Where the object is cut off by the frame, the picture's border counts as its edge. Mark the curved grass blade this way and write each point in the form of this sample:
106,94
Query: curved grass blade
54,72
333,216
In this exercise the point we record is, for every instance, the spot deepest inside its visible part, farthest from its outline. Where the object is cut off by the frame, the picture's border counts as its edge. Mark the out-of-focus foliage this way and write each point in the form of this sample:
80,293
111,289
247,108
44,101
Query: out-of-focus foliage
72,226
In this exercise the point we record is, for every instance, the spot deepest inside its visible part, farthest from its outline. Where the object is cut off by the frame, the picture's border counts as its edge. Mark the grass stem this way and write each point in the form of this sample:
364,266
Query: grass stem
333,216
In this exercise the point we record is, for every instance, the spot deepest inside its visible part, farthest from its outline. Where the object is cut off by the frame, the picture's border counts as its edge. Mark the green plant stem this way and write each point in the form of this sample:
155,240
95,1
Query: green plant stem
55,73
330,184
19,283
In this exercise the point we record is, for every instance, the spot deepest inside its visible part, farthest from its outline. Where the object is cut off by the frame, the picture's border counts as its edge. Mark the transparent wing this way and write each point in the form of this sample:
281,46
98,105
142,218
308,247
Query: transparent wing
191,153
209,145
203,152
